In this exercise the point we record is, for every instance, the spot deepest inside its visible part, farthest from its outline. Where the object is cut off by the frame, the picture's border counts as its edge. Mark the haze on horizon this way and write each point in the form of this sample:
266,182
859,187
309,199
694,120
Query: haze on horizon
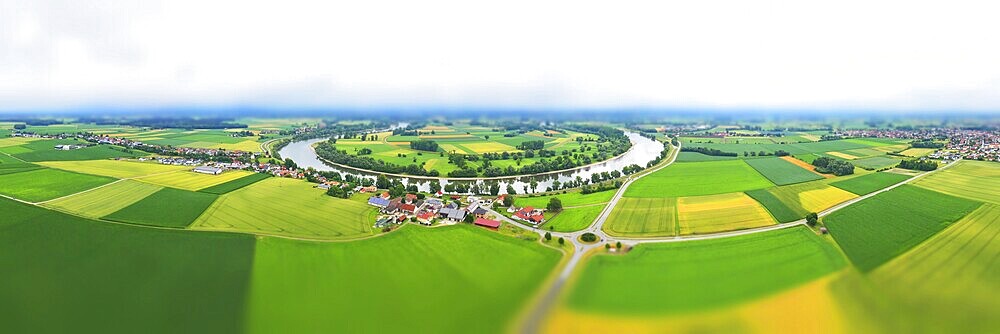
862,55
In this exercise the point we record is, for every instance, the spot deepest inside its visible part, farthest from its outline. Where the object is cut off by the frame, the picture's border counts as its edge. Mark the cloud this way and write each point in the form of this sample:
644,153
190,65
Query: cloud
897,55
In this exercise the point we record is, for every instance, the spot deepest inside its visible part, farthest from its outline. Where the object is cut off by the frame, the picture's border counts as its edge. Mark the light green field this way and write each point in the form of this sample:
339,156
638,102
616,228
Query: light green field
720,213
698,178
454,279
188,180
575,219
288,207
643,217
569,199
811,196
105,200
976,180
114,168
45,184
917,152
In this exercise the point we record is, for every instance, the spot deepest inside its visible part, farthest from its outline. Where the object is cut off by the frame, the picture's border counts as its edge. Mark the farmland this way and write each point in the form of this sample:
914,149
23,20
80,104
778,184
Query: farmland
274,206
43,150
167,207
782,172
105,200
877,229
970,179
223,188
796,148
876,162
323,287
74,272
718,213
573,219
866,184
121,169
643,217
681,277
569,199
698,178
45,184
188,180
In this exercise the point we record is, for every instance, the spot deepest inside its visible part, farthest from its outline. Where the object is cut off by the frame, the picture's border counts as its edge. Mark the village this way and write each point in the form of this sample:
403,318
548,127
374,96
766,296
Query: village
445,210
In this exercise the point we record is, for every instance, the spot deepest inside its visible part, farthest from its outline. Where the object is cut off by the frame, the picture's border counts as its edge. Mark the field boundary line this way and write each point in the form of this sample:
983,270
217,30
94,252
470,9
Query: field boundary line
81,192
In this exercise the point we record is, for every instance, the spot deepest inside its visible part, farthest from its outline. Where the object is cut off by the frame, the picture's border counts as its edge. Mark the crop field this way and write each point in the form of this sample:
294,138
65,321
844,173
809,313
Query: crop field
43,150
955,269
875,230
782,212
72,273
223,188
275,206
806,165
866,184
643,217
970,179
877,162
782,172
308,287
574,198
719,213
167,207
121,169
575,219
105,200
45,184
698,178
695,156
917,152
195,138
189,180
842,155
678,277
797,148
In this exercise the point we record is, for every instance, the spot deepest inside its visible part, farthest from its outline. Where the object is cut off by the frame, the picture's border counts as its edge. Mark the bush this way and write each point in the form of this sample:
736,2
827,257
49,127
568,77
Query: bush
588,237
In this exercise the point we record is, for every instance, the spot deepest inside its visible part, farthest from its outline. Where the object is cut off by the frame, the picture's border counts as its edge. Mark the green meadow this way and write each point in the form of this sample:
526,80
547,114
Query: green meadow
877,229
643,217
167,207
105,200
698,178
569,199
782,172
574,219
978,180
678,277
866,184
36,185
229,186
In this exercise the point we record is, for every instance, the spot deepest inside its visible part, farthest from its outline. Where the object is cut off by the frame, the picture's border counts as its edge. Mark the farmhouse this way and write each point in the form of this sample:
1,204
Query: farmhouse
487,223
408,208
425,217
384,222
530,215
208,170
378,201
452,213
410,198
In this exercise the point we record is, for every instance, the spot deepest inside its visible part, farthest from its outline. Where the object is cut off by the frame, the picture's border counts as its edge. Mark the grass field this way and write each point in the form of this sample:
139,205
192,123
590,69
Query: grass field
458,279
782,172
877,229
75,275
866,184
114,168
797,148
780,211
677,277
917,152
877,162
719,213
223,188
44,184
811,197
956,269
695,156
572,198
572,220
188,180
43,150
167,207
643,217
698,178
288,207
976,180
105,200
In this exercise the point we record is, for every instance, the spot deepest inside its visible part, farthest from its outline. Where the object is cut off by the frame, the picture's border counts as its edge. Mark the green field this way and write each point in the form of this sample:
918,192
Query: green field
572,198
676,277
877,162
698,178
866,184
43,150
797,148
802,198
189,180
782,212
288,207
223,188
121,169
76,275
976,180
720,213
105,200
956,269
458,279
575,219
45,184
877,229
782,172
643,217
167,207
695,156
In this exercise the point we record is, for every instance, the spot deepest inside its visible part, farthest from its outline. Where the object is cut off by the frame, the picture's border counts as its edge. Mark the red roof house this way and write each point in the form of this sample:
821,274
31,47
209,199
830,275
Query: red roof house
487,223
407,207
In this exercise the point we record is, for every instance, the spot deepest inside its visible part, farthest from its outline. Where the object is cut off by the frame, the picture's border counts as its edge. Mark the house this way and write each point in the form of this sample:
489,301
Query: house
489,223
368,189
425,217
378,201
208,170
409,208
393,207
530,215
409,198
323,186
386,195
384,222
454,214
480,212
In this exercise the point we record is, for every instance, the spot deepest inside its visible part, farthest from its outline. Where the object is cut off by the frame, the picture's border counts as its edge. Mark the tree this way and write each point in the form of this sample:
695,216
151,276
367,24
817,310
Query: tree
508,200
290,164
495,189
812,218
469,219
618,245
548,236
607,246
511,191
555,205
382,182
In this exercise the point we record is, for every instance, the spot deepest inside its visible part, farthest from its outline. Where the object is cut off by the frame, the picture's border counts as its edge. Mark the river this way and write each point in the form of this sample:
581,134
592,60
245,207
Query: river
643,150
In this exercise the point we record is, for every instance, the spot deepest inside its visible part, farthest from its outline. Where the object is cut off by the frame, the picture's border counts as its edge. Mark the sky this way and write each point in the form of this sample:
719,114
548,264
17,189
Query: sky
865,55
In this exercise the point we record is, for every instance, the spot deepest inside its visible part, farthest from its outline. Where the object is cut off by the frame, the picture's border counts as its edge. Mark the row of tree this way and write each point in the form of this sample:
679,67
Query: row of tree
833,166
918,164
